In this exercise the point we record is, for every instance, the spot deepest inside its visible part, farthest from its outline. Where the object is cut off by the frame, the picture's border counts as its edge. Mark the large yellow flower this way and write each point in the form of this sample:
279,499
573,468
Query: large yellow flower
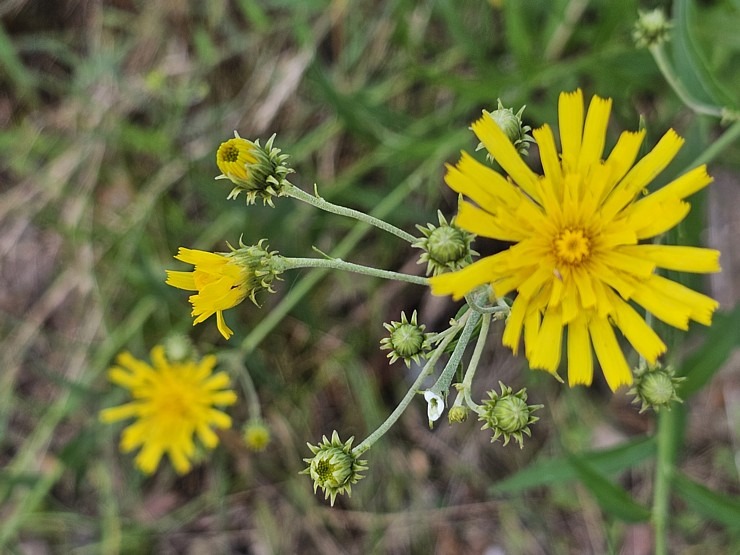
172,402
579,259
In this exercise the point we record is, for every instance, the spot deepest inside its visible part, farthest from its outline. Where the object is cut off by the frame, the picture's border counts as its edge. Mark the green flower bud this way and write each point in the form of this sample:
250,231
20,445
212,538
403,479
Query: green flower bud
458,414
513,126
651,29
446,247
178,348
655,387
259,171
508,415
334,468
406,341
256,435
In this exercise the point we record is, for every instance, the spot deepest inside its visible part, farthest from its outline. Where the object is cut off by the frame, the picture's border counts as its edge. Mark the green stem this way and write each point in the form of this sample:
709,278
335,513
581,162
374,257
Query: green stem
661,60
247,383
717,146
474,360
338,264
442,385
318,202
385,426
667,422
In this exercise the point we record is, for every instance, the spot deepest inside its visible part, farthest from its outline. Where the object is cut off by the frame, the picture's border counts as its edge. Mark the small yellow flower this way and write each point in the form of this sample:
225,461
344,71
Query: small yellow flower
223,280
580,257
233,156
258,171
172,402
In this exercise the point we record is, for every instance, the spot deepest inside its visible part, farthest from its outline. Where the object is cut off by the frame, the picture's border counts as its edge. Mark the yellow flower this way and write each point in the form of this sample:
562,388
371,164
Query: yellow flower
220,281
171,403
233,156
579,260
225,280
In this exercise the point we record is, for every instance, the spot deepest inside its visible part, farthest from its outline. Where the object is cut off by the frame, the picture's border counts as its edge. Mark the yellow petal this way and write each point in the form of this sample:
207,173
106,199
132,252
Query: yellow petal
460,283
546,353
622,157
501,148
642,337
225,330
580,360
613,364
549,157
181,280
570,120
676,257
594,133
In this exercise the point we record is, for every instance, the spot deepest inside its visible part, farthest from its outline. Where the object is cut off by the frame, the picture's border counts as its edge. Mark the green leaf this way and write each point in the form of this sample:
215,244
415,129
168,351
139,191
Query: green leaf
557,469
612,498
722,338
724,509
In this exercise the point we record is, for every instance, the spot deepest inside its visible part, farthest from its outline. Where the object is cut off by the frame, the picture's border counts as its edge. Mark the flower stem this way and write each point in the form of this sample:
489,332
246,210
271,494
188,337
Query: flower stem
661,60
385,426
318,202
338,264
442,385
474,360
666,440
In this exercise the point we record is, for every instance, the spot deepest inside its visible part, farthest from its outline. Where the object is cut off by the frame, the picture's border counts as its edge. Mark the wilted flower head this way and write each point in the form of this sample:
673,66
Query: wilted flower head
334,468
223,280
171,403
259,171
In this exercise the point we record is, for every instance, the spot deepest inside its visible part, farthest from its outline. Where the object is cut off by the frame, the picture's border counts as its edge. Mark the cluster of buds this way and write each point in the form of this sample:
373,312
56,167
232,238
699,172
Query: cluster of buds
333,467
258,171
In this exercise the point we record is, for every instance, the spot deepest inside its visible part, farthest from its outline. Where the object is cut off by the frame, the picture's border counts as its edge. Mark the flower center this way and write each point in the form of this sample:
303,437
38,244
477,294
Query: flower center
229,153
571,246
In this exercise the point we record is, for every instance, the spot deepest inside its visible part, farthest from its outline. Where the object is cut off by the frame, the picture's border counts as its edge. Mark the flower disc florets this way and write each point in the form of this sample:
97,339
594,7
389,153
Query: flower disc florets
651,29
334,468
446,247
407,340
507,414
259,171
512,126
655,387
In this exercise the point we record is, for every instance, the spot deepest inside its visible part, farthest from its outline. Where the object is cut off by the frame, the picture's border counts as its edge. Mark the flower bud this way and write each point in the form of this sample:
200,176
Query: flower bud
458,414
651,29
256,435
334,468
655,387
507,414
446,247
259,171
406,341
512,126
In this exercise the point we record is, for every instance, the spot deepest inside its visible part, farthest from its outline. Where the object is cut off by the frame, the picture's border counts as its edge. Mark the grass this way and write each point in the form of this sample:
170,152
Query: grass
111,114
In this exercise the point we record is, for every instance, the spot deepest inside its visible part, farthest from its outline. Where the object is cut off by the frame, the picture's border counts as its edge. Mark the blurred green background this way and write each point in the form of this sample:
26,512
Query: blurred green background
110,115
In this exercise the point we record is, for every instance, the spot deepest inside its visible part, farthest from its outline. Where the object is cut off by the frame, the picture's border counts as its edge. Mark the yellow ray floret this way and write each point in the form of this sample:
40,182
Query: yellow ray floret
577,266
